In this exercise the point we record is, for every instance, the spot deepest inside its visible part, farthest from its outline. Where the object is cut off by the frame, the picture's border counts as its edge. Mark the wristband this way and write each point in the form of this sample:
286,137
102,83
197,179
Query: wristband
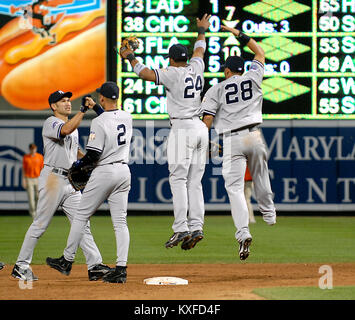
131,57
243,37
200,44
138,68
201,30
98,109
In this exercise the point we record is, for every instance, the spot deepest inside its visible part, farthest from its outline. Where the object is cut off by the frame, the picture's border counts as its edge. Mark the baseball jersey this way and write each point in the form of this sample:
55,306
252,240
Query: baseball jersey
237,101
59,151
110,134
183,87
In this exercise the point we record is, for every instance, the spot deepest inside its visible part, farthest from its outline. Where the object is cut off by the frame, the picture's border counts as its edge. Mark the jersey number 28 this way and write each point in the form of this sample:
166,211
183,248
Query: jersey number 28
232,91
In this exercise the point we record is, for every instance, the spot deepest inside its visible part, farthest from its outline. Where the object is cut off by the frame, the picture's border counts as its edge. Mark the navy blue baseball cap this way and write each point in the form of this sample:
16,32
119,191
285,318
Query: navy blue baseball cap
234,64
58,95
177,52
109,90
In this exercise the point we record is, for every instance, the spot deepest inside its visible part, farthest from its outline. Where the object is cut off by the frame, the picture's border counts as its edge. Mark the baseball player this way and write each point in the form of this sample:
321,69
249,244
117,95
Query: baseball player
61,149
107,148
32,164
235,107
188,137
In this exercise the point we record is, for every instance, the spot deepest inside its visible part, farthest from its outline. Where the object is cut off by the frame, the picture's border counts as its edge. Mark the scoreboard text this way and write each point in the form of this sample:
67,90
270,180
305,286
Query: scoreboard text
309,50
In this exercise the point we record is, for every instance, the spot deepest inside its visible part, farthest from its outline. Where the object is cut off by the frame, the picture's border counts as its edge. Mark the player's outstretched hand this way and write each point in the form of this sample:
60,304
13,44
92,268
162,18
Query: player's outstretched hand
125,52
204,22
236,32
88,101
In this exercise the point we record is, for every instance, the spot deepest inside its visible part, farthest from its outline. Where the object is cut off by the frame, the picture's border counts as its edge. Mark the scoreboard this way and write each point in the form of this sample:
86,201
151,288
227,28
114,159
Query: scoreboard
309,51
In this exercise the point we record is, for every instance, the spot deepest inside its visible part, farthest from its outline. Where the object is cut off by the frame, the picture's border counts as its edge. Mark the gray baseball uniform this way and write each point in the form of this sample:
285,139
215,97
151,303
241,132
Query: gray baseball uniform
110,134
55,190
236,104
187,142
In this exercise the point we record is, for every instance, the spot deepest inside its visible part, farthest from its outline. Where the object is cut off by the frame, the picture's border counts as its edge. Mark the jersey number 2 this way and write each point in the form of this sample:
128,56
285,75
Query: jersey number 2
121,134
246,91
188,92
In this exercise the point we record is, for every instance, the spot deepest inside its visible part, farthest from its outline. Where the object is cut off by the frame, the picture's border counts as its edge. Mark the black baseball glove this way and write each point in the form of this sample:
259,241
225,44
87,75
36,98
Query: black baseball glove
79,174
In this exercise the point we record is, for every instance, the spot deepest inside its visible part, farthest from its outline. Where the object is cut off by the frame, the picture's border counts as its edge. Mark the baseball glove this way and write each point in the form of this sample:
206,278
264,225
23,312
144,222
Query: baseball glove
79,174
131,43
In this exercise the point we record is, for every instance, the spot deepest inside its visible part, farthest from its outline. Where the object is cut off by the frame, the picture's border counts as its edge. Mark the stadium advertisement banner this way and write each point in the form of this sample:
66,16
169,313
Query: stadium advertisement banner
49,45
311,165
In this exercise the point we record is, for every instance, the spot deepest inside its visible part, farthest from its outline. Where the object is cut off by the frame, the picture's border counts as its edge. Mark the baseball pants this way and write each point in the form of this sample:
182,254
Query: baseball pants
54,191
111,182
187,152
237,150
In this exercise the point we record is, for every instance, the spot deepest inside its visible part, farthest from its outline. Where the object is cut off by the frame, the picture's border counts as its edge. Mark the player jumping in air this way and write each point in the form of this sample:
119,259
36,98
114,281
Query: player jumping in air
188,137
234,105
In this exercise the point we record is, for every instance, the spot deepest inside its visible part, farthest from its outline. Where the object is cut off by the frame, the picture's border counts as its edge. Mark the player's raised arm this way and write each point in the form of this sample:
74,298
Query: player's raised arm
141,70
251,43
210,106
200,44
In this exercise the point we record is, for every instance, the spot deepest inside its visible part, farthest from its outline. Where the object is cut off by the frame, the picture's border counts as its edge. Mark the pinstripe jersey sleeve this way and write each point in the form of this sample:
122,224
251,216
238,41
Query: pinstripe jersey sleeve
167,77
256,71
210,103
96,139
52,127
198,64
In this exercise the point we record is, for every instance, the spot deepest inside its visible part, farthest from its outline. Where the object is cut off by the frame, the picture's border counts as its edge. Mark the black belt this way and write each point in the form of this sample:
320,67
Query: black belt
60,171
105,164
252,127
189,118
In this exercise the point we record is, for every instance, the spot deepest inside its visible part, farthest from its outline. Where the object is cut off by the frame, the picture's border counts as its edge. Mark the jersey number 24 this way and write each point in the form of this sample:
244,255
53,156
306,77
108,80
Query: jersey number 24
189,89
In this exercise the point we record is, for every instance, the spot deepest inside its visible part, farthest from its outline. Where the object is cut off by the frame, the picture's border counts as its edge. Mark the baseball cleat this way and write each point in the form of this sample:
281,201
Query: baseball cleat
244,248
60,264
117,275
196,236
2,265
177,237
24,274
98,271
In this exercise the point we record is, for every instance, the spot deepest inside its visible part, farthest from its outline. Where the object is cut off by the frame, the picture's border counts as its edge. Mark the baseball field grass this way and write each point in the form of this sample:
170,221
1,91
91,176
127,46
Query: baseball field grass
292,240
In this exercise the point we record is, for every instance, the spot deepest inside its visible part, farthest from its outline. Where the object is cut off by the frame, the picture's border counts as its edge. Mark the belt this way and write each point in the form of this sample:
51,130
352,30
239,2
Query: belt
120,161
190,118
105,164
251,128
60,171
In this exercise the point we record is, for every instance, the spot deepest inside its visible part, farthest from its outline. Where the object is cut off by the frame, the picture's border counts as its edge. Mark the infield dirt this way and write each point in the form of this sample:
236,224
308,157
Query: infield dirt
206,281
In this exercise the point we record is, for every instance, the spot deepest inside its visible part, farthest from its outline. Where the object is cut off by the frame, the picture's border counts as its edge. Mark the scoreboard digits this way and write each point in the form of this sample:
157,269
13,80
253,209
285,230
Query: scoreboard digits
309,51
336,47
